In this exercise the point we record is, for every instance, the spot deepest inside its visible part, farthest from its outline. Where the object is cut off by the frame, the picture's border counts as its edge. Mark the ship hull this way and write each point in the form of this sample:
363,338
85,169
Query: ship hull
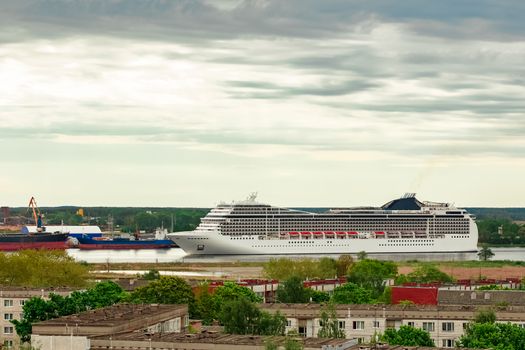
14,242
126,246
92,244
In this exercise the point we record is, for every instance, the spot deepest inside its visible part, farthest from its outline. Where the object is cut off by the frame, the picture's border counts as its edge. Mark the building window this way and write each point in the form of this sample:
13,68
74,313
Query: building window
447,343
8,303
22,302
289,323
376,324
8,344
411,324
465,325
428,326
358,324
447,326
342,324
8,330
8,317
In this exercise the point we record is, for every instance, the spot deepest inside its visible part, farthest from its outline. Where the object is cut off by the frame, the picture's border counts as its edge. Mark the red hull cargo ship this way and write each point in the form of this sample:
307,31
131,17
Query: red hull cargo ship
19,241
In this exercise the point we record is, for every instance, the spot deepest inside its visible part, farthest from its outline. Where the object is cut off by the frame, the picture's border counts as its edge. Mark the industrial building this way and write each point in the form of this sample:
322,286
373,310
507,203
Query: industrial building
74,231
461,294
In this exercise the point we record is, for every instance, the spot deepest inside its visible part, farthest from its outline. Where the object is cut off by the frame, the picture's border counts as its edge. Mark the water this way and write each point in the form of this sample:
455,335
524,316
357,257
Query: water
178,255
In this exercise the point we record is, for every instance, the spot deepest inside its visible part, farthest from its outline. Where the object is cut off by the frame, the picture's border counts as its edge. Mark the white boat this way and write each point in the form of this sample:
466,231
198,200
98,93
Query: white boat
404,225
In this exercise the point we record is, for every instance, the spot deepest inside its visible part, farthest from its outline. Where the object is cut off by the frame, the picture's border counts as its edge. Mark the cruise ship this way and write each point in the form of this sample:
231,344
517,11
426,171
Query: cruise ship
403,225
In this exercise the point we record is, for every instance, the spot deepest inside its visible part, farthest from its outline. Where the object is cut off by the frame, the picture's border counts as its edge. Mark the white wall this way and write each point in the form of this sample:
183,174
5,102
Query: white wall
59,342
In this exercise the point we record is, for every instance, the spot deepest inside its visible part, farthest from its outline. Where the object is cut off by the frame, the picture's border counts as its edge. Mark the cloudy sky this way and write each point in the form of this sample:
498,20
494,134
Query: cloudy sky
308,102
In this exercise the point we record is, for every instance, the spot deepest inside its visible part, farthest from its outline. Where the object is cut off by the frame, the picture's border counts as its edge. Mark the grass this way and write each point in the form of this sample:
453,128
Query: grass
192,266
179,266
467,263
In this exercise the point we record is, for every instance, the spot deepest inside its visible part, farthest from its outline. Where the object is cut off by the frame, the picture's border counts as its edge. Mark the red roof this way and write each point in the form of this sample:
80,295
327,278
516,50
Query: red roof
306,233
352,233
294,233
318,233
341,233
380,233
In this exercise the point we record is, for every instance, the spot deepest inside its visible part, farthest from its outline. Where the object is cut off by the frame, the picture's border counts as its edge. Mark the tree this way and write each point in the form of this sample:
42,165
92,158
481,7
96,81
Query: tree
407,336
269,344
485,316
269,324
425,273
326,268
204,305
372,275
41,268
362,255
342,264
284,268
386,297
165,290
232,291
293,291
330,324
318,296
351,293
499,336
242,316
292,344
101,295
485,253
151,275
239,316
229,291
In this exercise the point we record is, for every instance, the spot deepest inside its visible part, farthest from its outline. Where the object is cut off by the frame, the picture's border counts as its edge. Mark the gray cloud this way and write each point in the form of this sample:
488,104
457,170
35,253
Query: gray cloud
248,89
432,51
184,19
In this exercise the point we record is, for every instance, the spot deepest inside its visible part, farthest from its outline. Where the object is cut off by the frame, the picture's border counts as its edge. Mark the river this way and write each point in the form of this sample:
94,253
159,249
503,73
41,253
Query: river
178,255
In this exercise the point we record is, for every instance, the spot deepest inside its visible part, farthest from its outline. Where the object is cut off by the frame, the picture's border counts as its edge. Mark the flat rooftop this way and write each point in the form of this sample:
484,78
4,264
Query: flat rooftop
158,339
305,311
28,292
112,319
215,340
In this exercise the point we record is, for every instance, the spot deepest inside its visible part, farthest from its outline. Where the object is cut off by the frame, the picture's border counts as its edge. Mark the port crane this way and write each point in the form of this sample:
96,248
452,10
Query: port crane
37,215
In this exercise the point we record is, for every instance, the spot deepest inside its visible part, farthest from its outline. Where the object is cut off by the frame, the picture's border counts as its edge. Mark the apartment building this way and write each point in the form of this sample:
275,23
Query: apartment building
445,323
12,300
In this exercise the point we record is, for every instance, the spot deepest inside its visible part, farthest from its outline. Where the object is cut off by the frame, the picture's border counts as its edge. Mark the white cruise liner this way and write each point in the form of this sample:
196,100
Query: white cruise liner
404,225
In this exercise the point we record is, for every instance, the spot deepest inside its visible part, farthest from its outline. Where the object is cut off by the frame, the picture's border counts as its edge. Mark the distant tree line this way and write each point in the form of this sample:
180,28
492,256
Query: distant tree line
125,219
500,231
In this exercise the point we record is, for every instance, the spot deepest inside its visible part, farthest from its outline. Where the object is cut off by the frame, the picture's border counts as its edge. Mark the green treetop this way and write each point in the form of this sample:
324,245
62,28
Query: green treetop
407,336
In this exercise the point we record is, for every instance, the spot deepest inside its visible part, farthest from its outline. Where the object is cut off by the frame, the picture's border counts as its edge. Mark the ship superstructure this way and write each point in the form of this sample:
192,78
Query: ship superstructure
402,225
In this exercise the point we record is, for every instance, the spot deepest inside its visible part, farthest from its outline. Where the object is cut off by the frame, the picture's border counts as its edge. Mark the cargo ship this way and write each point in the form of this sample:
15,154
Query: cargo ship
403,225
134,242
43,240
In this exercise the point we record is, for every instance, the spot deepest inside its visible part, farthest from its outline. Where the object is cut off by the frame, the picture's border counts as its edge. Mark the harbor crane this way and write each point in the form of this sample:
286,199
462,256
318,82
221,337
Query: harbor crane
37,216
